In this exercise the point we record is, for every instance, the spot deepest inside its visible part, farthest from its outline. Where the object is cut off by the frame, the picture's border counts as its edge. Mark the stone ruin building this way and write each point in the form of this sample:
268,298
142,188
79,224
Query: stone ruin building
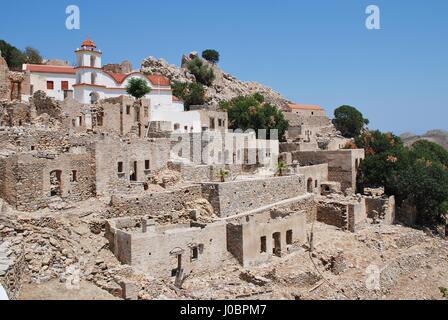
181,201
13,84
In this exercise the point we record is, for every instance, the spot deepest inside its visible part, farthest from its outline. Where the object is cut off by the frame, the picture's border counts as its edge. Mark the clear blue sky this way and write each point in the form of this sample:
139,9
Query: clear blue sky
314,51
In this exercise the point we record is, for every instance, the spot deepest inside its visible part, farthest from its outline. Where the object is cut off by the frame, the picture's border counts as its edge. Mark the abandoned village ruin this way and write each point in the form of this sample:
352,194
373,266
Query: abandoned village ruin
143,183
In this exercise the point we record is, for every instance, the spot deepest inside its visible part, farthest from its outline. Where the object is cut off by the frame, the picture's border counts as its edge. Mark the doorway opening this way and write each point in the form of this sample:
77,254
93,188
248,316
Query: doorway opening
133,176
56,183
277,247
309,185
289,237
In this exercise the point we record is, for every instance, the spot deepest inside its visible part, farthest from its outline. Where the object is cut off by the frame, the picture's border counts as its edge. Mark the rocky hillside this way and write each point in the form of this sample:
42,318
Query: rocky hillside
224,87
437,136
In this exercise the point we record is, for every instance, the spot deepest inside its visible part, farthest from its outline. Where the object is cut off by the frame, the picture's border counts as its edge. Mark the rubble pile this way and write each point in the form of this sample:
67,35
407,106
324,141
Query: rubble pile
59,247
167,178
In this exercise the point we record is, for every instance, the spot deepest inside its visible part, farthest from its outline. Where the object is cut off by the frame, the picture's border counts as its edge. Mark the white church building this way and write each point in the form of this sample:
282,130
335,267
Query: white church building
87,83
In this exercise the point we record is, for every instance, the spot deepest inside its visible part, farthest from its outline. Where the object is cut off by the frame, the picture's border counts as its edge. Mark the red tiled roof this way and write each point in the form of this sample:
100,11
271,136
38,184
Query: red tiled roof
155,79
88,43
297,106
50,69
118,77
159,80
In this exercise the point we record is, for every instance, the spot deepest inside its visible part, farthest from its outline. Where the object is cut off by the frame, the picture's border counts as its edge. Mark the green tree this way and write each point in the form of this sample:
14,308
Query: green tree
137,88
13,56
418,174
430,151
211,55
190,93
33,56
349,121
374,142
203,73
180,89
426,183
247,112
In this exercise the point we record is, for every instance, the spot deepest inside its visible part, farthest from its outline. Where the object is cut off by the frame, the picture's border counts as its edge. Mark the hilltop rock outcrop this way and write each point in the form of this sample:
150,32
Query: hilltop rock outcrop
124,67
437,136
224,87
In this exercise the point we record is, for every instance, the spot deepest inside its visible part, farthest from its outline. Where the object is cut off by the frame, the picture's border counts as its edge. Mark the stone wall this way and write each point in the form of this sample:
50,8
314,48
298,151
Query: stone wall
44,104
297,120
345,215
26,182
8,180
213,120
357,215
204,173
19,84
334,214
76,117
307,205
13,279
342,164
235,197
381,209
252,239
161,250
314,176
4,80
146,155
15,114
39,140
155,204
123,115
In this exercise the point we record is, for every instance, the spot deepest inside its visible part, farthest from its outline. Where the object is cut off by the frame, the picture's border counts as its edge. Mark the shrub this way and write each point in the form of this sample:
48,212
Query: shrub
190,93
417,174
203,73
